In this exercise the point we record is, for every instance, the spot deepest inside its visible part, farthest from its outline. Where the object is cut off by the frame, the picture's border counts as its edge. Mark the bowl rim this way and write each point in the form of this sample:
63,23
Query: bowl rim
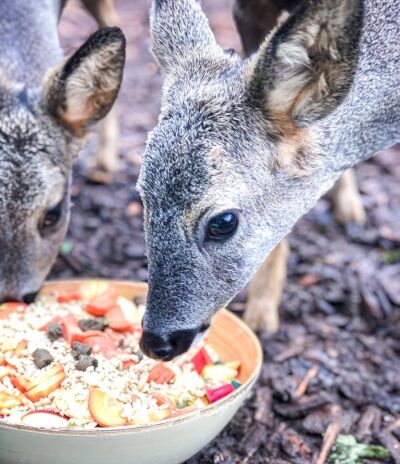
211,409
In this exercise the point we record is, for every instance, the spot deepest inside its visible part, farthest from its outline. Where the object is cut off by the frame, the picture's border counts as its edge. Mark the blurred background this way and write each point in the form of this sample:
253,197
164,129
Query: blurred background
337,355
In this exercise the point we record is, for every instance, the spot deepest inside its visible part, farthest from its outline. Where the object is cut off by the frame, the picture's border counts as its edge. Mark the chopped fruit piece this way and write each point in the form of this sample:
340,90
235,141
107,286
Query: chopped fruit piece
102,344
2,360
105,410
70,328
56,319
160,373
8,401
22,345
80,348
85,361
46,387
200,360
117,320
80,337
48,419
127,364
140,418
5,371
233,364
42,358
94,288
158,415
20,382
215,394
101,304
131,313
99,323
67,297
54,331
219,373
11,307
235,384
164,400
52,371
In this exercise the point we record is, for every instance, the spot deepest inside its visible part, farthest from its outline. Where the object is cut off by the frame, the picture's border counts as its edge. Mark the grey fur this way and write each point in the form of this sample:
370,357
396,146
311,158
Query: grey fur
37,148
216,148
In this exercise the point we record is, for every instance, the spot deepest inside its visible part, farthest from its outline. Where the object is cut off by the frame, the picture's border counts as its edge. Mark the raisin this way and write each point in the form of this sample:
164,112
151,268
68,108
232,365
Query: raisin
54,331
85,361
99,323
42,358
79,349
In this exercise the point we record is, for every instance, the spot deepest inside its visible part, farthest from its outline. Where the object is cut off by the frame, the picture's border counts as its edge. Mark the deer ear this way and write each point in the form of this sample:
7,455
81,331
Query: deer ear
84,88
304,70
179,29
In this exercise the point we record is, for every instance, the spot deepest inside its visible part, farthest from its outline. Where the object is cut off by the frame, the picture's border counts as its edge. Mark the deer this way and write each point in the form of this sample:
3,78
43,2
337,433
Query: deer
244,147
48,103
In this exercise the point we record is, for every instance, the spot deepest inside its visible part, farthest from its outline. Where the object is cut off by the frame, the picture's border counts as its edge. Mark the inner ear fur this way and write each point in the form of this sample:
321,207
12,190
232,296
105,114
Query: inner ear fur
83,89
304,70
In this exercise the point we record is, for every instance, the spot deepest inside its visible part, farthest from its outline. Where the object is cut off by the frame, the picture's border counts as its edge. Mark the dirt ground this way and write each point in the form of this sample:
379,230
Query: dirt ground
335,364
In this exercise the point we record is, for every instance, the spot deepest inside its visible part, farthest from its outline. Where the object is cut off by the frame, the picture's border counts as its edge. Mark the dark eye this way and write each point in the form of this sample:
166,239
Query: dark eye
52,216
222,226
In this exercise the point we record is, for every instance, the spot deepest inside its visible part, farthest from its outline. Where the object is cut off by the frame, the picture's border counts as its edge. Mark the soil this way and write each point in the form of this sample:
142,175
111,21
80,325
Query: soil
335,363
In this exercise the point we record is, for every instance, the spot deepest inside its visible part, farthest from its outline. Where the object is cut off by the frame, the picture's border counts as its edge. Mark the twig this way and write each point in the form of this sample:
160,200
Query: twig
330,436
303,384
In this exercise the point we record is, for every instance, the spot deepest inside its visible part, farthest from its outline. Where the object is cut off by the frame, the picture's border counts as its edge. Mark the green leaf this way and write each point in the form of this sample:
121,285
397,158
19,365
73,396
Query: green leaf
348,451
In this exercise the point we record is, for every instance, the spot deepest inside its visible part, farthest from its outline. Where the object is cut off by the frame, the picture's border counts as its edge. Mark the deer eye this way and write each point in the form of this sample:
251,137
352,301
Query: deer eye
222,226
51,217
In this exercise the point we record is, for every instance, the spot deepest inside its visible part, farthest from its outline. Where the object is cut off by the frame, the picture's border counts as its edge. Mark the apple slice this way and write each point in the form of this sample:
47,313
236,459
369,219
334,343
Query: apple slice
94,288
43,418
5,371
8,401
105,410
46,386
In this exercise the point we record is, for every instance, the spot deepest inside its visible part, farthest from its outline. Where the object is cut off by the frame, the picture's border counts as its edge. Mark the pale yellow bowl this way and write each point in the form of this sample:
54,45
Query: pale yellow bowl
170,442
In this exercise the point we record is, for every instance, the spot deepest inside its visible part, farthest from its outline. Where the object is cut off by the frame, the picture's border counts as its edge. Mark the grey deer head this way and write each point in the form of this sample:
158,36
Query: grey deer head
41,132
236,157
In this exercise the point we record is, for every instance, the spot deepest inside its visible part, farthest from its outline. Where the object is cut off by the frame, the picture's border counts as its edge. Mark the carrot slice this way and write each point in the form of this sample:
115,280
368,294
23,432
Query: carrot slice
105,410
160,373
45,388
101,304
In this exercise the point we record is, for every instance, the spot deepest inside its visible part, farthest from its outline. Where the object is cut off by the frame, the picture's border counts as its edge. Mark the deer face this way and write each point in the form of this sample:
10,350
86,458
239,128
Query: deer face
41,132
235,159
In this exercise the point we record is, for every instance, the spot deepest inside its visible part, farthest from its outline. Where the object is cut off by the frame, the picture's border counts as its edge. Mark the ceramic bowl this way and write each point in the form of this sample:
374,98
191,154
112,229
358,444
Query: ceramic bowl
169,442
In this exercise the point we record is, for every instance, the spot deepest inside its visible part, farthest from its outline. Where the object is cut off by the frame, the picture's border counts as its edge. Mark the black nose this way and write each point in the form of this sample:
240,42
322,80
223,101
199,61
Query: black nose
30,297
168,346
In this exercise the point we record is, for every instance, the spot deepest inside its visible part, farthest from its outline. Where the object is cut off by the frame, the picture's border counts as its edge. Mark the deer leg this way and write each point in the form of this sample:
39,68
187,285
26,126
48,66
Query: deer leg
104,13
347,204
265,291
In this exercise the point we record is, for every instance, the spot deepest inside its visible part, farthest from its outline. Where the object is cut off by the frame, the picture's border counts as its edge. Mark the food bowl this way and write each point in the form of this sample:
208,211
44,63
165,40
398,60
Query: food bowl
169,442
